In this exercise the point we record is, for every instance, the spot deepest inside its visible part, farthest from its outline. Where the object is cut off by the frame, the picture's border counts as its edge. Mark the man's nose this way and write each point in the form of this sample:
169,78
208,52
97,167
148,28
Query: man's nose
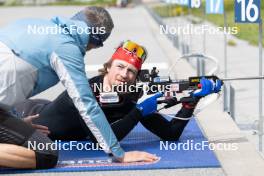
124,73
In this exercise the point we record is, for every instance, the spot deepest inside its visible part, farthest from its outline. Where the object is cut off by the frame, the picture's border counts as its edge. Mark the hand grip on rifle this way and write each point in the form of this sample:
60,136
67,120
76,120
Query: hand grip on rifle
148,104
169,102
173,101
207,86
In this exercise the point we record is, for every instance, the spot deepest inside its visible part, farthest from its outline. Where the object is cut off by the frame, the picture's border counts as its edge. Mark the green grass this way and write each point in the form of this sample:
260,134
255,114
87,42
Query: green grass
81,3
65,3
231,43
11,3
248,32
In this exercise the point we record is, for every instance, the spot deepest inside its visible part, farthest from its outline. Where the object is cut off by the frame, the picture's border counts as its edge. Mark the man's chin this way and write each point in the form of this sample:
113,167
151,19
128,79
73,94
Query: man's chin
120,83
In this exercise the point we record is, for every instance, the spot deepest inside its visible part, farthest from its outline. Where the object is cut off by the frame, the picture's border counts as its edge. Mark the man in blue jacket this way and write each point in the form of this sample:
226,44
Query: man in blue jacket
36,54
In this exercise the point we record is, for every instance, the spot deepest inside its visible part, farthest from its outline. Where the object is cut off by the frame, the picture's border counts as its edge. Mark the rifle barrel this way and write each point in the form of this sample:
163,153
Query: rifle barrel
242,78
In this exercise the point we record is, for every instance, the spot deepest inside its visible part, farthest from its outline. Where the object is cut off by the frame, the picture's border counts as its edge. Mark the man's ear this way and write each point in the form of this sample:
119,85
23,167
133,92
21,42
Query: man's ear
90,46
87,47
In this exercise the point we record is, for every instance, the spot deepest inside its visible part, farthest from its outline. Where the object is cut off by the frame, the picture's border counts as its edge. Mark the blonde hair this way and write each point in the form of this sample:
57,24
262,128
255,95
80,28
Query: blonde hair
103,71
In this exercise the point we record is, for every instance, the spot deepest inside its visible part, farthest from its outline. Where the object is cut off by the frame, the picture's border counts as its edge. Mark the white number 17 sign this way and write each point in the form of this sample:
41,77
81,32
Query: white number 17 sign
214,6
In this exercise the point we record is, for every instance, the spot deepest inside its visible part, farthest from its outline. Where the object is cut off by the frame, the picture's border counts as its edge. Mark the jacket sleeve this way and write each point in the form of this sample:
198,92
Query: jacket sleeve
68,63
126,124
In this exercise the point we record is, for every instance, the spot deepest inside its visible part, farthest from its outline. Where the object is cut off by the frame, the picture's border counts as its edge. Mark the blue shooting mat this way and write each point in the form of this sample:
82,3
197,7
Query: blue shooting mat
188,152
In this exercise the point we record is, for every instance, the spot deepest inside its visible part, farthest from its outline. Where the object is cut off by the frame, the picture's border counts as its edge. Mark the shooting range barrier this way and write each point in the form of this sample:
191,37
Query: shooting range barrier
216,124
245,11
